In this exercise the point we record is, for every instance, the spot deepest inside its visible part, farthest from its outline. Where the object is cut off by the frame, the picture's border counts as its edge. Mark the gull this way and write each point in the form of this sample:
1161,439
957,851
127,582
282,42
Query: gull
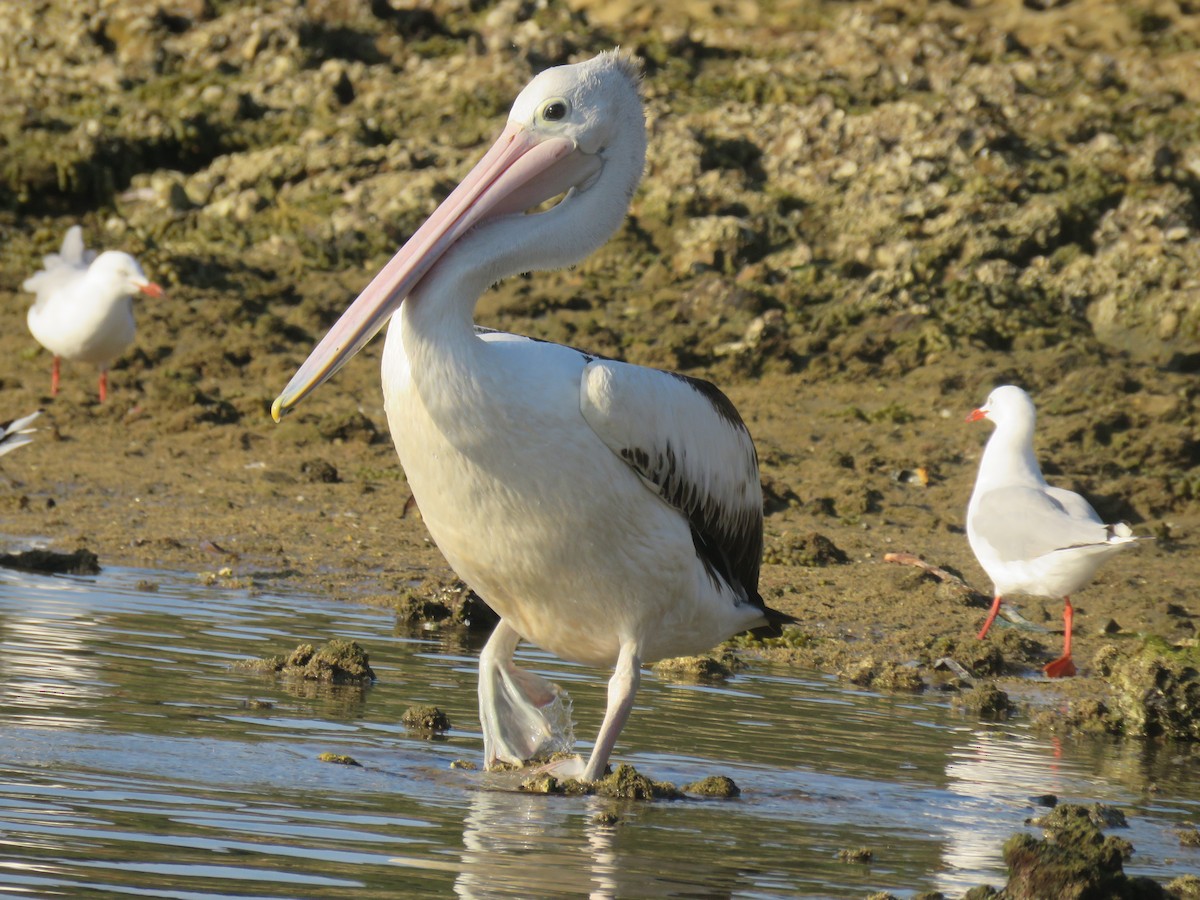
1032,538
84,305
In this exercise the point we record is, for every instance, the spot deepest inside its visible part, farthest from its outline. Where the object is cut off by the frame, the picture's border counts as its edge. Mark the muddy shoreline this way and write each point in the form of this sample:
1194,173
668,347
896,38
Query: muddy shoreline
856,219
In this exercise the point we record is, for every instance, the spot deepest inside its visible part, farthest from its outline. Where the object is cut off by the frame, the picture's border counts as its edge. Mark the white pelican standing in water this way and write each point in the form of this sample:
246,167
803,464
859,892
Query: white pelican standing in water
610,514
84,305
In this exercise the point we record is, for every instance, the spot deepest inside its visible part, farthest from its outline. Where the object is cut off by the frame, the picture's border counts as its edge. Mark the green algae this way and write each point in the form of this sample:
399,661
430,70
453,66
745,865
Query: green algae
339,759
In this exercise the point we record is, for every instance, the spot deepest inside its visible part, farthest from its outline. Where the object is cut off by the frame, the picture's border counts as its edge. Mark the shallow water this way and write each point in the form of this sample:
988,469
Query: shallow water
134,760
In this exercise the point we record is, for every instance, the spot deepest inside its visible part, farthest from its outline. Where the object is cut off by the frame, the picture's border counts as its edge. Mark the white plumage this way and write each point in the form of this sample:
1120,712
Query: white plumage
18,433
1032,538
609,513
84,305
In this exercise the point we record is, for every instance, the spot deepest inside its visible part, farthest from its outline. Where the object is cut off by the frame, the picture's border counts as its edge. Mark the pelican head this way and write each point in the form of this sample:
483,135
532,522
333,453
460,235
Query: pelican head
574,130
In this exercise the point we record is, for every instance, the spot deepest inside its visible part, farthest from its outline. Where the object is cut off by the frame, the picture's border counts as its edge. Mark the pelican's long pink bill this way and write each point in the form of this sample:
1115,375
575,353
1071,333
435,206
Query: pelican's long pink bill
521,170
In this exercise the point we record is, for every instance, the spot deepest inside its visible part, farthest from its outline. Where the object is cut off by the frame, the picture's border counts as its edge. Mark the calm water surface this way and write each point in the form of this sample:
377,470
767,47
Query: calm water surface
135,761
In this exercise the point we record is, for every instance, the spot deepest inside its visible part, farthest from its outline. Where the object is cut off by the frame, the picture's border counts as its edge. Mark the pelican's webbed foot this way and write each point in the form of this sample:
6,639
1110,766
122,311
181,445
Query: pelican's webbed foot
523,715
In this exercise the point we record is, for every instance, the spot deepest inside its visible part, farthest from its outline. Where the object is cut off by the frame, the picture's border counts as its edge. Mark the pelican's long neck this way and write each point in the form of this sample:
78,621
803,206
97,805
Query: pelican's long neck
440,310
1008,457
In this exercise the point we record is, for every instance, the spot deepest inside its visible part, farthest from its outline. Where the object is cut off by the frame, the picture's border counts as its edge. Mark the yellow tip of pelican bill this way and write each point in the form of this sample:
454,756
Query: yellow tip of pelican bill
277,409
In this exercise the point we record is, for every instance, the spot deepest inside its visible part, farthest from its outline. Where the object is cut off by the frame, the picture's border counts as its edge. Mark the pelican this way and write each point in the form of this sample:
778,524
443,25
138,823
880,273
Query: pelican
1032,538
17,433
84,305
610,514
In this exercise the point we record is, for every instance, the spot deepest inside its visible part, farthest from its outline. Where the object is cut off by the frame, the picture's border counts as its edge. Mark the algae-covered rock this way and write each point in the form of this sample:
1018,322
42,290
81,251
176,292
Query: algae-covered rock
856,855
714,786
627,783
884,675
1074,860
425,718
985,701
693,668
1155,691
1185,887
337,662
339,759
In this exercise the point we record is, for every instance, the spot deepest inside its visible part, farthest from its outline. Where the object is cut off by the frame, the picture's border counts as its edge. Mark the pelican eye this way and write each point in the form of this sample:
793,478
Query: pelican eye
554,110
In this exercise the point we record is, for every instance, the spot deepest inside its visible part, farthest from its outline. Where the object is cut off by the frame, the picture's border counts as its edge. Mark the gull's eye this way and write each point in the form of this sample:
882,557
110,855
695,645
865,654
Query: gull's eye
554,110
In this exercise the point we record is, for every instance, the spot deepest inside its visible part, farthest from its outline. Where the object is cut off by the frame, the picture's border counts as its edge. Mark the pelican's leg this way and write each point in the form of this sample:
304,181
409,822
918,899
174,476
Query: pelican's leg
621,690
103,385
1063,666
991,618
54,377
522,714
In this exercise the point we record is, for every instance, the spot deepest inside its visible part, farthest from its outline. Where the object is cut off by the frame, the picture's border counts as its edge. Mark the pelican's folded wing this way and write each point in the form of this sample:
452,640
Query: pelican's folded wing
1023,523
688,444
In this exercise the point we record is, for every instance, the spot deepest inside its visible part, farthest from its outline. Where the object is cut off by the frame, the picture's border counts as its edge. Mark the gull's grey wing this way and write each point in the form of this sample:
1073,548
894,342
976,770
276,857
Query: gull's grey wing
1023,523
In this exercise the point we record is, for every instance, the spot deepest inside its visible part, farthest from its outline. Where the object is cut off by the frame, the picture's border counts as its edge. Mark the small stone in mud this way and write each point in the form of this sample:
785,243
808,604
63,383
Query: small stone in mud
810,550
146,587
464,764
319,471
856,855
258,704
50,562
1189,837
692,668
606,818
425,718
714,786
1047,800
339,759
986,701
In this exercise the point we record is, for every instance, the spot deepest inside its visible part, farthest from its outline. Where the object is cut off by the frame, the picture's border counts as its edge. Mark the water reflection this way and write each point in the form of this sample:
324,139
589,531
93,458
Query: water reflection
179,775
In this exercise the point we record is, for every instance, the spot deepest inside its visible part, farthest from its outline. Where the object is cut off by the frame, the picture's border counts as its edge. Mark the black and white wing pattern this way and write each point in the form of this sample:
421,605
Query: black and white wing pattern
688,444
17,433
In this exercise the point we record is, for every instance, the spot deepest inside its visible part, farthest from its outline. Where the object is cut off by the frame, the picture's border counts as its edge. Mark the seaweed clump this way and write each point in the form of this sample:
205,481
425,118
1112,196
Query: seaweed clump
425,718
1156,691
1074,860
626,783
337,662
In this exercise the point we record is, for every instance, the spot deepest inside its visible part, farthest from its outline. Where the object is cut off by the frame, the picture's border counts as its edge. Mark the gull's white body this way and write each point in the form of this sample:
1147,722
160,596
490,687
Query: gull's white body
1031,538
84,305
610,514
